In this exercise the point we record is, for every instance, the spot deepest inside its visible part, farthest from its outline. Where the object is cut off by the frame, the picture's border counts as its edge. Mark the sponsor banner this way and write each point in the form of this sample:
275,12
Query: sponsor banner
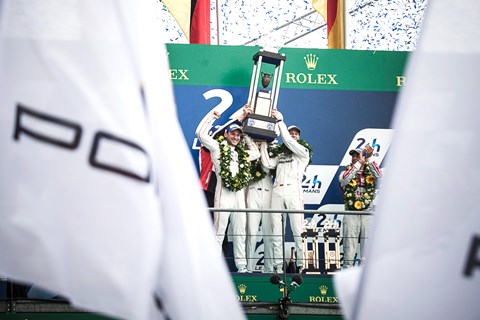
257,288
317,69
379,139
332,123
316,181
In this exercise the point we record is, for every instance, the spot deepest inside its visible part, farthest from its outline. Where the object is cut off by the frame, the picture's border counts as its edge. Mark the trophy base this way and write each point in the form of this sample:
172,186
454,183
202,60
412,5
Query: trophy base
260,127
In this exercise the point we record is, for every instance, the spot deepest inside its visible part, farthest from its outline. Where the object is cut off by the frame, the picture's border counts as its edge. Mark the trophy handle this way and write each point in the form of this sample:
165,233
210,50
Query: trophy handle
276,84
254,81
250,93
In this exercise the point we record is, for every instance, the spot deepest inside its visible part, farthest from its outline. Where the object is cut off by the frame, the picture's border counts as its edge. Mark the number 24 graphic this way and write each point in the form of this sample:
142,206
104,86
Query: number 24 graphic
374,144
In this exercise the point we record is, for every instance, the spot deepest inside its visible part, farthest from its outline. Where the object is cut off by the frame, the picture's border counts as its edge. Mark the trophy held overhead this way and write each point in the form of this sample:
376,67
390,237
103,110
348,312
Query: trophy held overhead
260,124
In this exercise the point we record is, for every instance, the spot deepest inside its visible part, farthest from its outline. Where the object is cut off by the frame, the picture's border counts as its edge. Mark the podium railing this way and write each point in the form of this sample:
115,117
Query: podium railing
334,213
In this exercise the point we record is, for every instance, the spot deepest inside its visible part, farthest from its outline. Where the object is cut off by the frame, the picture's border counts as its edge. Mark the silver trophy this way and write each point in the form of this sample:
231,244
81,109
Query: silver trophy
260,124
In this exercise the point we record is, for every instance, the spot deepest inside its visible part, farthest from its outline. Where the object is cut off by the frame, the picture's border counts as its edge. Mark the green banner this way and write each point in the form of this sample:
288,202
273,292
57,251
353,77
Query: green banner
315,292
257,288
318,69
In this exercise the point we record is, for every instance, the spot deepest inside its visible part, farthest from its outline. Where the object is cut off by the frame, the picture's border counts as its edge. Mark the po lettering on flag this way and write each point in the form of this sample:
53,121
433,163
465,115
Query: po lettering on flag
92,186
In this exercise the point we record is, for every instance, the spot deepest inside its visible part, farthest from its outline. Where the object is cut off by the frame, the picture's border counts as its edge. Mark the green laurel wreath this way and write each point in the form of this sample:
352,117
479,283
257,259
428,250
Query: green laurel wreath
242,178
256,171
282,148
351,201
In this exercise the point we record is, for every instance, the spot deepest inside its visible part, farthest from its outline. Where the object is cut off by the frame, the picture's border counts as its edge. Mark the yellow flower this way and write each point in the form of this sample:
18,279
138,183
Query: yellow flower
225,148
258,173
369,179
353,183
358,205
366,195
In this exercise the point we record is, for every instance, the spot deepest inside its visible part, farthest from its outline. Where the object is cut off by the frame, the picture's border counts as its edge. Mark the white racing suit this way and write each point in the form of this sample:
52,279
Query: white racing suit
287,193
225,198
355,226
258,197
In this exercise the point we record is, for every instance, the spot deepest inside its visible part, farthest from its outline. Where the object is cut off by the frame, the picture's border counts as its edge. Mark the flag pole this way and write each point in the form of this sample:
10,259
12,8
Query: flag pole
218,28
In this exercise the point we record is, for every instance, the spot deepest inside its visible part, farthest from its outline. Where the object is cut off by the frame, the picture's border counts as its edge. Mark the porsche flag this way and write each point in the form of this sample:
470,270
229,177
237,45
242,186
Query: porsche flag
193,17
93,166
425,245
333,12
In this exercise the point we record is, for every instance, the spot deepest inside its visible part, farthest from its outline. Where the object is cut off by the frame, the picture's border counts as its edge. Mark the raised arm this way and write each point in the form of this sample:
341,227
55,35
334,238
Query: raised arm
293,145
372,165
375,169
246,111
347,175
202,131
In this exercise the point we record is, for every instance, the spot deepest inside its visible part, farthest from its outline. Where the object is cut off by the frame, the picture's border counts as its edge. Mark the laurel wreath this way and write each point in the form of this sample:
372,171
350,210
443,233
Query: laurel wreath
242,178
349,196
257,171
283,149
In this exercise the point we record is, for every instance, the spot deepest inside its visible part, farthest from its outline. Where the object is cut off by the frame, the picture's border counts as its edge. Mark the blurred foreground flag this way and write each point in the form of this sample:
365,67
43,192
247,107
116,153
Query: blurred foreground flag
333,12
424,256
93,166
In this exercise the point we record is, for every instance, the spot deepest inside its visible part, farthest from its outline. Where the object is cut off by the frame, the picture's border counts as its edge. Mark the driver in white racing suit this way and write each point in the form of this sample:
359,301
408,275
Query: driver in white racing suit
224,197
259,194
287,189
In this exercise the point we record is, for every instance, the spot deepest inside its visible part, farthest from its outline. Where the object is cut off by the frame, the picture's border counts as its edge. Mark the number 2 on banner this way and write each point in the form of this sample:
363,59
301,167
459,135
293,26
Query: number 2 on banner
226,101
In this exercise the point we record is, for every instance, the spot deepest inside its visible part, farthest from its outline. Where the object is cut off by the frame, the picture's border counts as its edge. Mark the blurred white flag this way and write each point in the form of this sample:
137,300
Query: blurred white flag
94,167
424,257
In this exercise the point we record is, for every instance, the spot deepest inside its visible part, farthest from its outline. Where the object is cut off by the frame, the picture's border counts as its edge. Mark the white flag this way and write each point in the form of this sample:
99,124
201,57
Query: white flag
193,269
99,199
424,256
